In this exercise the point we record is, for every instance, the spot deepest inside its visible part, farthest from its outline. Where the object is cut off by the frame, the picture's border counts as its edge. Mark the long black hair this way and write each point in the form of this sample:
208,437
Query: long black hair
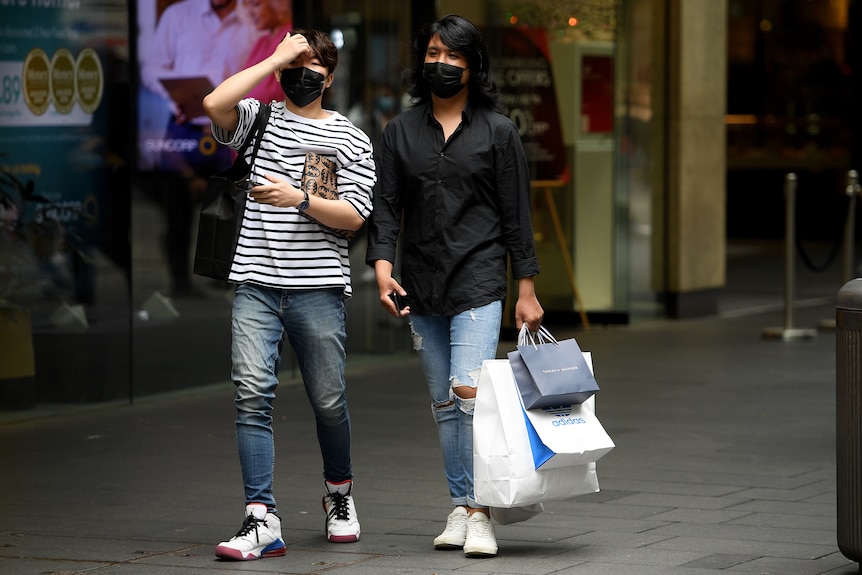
462,36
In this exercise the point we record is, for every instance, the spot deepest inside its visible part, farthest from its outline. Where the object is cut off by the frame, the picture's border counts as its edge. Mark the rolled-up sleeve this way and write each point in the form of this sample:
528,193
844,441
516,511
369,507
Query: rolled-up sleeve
247,112
356,178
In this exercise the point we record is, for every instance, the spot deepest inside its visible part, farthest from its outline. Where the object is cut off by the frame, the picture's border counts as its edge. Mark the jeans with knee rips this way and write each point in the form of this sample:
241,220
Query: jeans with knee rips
313,322
451,350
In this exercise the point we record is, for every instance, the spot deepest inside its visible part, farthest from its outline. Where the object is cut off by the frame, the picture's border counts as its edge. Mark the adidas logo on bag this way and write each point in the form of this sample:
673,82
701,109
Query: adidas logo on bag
563,412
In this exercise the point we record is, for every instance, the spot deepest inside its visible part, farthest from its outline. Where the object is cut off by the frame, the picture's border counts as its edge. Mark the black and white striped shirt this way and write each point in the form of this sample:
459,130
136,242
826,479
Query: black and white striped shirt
278,247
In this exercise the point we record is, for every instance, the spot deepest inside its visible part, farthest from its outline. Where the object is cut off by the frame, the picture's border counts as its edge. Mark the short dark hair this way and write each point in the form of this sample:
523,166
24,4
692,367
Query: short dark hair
322,46
460,35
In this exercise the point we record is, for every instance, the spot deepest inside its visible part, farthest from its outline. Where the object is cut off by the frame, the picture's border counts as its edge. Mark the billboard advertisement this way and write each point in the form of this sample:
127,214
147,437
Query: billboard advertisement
62,75
185,48
522,71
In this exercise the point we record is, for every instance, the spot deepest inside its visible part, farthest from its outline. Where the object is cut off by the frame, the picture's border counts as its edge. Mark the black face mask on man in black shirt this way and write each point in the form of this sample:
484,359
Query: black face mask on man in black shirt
302,85
443,79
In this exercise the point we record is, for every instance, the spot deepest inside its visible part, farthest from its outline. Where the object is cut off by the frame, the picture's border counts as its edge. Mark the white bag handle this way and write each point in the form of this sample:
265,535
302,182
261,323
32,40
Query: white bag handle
542,336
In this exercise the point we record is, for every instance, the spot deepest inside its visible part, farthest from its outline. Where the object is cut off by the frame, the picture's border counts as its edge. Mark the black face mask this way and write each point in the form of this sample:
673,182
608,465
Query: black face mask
302,85
443,79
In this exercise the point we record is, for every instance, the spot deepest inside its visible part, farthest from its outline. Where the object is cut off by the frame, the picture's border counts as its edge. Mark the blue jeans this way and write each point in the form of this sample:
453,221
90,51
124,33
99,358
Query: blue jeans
451,350
313,321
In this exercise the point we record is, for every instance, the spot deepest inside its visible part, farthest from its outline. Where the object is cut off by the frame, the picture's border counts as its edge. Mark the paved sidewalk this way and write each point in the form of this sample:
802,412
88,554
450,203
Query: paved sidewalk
725,463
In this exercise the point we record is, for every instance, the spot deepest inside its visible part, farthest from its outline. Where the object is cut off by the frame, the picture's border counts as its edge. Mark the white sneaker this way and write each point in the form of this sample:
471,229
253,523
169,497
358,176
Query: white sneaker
480,541
456,531
259,536
342,523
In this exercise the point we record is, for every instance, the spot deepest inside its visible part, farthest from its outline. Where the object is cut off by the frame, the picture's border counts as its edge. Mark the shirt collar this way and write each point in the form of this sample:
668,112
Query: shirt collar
206,11
466,113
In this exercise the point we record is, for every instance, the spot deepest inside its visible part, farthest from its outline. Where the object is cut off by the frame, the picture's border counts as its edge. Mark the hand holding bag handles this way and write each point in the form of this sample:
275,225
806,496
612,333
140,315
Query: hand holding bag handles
223,208
550,373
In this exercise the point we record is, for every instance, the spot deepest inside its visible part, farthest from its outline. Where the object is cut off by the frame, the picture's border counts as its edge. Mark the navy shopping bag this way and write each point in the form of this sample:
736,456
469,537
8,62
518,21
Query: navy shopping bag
550,373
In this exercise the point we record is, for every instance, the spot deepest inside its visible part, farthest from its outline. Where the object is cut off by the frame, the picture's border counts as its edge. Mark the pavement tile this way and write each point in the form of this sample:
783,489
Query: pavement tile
639,556
784,566
793,508
701,516
826,523
738,545
684,501
721,561
750,533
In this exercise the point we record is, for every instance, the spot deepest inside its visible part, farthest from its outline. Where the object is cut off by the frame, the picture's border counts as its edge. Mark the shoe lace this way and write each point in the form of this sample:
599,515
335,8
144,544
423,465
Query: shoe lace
456,522
250,524
340,506
481,528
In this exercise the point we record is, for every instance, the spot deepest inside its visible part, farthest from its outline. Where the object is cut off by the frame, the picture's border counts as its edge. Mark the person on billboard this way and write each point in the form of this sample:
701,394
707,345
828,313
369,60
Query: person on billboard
292,277
452,171
195,41
274,19
195,45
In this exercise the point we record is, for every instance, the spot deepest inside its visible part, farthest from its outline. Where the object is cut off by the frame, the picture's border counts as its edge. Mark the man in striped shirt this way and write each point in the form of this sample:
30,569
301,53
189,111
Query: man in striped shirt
292,276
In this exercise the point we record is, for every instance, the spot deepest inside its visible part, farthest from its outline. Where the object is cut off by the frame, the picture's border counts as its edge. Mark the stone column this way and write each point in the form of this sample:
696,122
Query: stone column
695,238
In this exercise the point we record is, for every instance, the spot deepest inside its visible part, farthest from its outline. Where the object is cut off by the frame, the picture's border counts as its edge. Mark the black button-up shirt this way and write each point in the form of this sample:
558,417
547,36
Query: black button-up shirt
465,205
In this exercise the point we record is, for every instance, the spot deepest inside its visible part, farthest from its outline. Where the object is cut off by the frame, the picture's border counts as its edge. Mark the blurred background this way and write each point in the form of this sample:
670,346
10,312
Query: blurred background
660,134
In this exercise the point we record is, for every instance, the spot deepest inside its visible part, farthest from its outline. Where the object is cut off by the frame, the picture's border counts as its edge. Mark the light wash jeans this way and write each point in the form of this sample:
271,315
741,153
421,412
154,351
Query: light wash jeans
451,350
313,321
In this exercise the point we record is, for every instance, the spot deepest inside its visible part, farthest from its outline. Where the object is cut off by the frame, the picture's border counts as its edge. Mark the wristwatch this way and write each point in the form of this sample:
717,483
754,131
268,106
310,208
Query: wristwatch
303,205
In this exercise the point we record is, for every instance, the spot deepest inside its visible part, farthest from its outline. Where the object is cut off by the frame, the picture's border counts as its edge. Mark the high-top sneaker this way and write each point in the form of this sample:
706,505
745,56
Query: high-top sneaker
342,524
259,536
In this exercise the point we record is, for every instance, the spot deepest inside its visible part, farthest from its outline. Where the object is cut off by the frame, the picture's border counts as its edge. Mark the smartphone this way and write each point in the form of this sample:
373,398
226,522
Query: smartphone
247,184
396,299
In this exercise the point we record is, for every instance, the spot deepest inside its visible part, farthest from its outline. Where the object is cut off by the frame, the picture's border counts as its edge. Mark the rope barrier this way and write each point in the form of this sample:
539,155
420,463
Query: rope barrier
838,242
809,263
792,239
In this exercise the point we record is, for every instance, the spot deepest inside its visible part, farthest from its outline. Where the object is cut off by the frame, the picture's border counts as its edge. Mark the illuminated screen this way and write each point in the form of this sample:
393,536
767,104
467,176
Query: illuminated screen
185,48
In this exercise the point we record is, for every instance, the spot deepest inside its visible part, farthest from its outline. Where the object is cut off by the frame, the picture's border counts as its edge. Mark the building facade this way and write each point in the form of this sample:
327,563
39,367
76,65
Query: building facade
657,131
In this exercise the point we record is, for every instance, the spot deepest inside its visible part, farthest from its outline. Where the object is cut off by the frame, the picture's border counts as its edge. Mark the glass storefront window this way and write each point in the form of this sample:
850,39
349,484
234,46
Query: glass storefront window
576,215
64,250
117,200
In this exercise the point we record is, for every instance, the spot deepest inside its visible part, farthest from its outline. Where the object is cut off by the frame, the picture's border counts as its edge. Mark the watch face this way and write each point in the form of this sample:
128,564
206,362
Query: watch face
303,205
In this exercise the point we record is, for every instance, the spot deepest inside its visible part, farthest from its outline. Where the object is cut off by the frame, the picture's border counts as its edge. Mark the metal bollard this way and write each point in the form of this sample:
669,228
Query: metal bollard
848,422
788,332
852,190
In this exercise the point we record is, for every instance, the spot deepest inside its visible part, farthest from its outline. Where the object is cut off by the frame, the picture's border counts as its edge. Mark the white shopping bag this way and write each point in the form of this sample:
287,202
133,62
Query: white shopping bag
509,515
567,435
504,473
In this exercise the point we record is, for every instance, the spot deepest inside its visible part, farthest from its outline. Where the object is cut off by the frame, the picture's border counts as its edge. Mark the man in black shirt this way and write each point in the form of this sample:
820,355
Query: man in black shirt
454,170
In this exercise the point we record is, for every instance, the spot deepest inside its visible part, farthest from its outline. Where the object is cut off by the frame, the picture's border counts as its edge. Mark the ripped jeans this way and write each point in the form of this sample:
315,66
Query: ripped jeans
451,350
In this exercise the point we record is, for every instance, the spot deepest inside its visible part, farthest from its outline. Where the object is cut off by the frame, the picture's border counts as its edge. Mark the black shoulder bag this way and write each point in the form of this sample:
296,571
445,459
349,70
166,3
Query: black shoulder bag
223,207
